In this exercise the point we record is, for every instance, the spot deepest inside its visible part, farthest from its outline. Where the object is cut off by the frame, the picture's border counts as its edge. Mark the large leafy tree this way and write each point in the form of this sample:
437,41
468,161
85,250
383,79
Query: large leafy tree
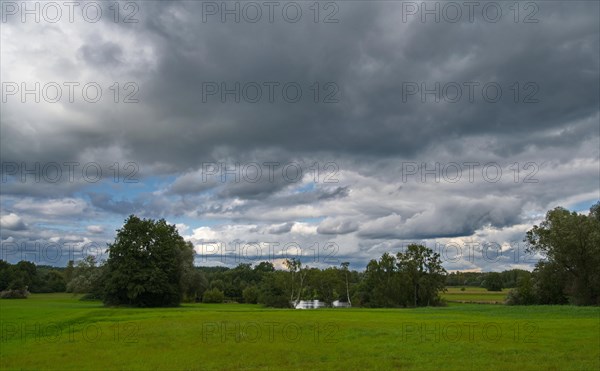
571,244
412,278
382,286
422,268
146,265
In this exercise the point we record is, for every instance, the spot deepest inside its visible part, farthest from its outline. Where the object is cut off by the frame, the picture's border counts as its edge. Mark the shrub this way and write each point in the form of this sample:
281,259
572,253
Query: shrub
493,282
250,295
213,296
14,294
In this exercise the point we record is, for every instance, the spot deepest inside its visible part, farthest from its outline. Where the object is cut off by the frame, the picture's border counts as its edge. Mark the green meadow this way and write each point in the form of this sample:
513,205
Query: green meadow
57,331
474,295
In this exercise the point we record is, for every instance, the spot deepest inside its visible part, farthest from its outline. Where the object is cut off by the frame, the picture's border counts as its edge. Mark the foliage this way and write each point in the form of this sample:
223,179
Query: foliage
413,278
493,281
273,292
86,277
27,276
213,296
250,295
146,264
193,284
523,294
14,294
571,245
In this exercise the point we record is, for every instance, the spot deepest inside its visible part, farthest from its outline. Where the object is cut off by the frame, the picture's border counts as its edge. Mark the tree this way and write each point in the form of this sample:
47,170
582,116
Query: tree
54,282
325,284
493,281
273,290
146,264
295,268
523,294
86,278
423,269
69,271
264,267
383,286
213,296
250,295
548,283
345,266
193,283
571,243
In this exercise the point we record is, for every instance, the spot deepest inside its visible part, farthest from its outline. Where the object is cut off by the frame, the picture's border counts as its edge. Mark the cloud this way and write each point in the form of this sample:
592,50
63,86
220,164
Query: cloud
348,152
280,228
12,222
53,207
337,226
95,229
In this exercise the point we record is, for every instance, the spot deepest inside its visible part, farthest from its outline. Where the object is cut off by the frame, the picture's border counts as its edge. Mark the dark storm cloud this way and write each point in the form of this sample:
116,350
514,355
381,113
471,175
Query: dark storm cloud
369,55
371,117
101,54
370,128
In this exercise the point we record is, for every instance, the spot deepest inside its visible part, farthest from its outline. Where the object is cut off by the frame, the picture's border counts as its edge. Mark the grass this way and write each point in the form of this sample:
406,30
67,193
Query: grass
475,295
56,331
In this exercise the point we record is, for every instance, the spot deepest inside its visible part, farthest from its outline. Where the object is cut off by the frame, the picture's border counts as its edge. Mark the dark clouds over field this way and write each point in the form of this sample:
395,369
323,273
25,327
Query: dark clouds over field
359,146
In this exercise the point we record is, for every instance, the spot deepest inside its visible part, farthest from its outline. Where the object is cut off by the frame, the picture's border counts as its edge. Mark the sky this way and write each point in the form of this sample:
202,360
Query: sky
331,131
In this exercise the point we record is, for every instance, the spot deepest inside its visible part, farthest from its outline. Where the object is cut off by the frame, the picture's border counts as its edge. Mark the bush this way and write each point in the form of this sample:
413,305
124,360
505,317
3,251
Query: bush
523,294
250,295
493,282
14,294
213,296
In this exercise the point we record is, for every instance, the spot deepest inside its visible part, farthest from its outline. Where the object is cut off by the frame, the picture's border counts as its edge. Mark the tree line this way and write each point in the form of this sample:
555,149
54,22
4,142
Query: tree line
17,280
150,264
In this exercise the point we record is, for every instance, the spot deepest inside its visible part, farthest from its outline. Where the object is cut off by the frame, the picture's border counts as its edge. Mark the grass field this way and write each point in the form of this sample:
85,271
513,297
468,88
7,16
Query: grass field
475,295
56,331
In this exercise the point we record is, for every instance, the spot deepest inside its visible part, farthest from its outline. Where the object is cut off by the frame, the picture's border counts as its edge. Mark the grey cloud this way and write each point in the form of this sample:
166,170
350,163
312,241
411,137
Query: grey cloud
12,222
369,54
101,54
281,228
337,226
456,218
